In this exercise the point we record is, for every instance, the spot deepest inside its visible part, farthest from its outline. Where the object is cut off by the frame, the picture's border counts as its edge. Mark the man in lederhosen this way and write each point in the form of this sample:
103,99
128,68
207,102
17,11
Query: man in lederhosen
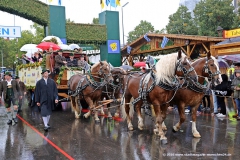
46,94
22,93
9,88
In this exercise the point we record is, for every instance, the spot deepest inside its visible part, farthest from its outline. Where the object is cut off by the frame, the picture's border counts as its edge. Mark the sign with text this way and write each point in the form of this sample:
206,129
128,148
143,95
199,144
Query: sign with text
113,46
231,33
10,31
29,76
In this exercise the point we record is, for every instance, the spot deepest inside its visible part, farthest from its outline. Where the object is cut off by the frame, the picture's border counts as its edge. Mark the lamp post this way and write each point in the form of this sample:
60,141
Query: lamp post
219,30
122,23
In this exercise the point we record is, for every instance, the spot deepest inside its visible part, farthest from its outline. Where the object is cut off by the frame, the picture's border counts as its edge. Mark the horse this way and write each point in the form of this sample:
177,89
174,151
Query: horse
157,88
114,89
89,87
193,92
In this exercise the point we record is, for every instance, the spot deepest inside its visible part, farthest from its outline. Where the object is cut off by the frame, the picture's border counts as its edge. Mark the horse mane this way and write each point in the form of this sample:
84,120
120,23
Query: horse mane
97,65
166,67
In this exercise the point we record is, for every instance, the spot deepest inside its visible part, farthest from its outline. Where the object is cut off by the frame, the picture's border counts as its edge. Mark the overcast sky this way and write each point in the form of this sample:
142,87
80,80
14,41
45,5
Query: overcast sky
83,11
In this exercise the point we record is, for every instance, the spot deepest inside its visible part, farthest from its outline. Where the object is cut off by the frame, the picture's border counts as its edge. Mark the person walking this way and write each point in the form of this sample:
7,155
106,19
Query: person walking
22,93
222,91
45,95
9,88
236,93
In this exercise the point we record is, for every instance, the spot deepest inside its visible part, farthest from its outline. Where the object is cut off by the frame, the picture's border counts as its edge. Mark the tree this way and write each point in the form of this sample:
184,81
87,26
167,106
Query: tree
68,20
181,22
140,30
95,21
209,14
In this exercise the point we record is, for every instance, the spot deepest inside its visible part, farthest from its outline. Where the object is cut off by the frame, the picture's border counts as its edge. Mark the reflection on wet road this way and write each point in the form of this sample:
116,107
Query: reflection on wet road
110,139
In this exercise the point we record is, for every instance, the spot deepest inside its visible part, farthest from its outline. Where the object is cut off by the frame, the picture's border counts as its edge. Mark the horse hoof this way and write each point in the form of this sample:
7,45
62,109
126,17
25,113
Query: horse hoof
174,129
140,128
116,115
110,118
97,121
164,141
77,117
130,128
197,135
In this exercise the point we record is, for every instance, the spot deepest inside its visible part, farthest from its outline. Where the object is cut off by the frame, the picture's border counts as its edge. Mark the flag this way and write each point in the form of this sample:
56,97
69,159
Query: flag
129,49
107,2
118,2
50,1
59,2
102,4
164,42
113,3
146,38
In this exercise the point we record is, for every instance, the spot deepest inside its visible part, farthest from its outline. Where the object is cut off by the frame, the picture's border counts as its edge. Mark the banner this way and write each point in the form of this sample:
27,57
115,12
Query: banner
113,46
29,76
10,31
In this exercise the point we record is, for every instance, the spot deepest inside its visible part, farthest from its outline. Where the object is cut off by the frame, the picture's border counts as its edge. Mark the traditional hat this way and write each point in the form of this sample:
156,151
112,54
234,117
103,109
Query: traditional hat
60,50
7,74
71,54
16,77
45,70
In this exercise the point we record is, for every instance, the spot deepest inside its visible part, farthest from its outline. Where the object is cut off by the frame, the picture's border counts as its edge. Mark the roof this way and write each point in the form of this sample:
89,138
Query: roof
173,36
230,40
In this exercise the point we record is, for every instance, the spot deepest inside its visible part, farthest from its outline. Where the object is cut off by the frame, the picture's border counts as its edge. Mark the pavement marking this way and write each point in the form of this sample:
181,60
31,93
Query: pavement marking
49,141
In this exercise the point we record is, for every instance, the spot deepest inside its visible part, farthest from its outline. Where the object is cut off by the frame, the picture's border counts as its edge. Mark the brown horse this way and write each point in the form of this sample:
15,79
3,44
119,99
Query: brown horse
89,87
157,89
193,93
114,89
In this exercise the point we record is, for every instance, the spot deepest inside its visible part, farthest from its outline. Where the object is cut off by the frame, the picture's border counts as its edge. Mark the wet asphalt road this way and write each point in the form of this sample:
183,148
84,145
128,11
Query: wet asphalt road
82,139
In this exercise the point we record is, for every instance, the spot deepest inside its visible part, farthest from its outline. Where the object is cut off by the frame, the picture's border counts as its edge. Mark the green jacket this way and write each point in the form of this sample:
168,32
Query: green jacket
236,82
15,87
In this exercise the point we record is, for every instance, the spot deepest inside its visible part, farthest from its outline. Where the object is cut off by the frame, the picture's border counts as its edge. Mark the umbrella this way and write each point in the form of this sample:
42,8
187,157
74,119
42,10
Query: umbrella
29,54
140,64
47,45
64,47
73,46
29,48
222,63
51,37
126,67
235,58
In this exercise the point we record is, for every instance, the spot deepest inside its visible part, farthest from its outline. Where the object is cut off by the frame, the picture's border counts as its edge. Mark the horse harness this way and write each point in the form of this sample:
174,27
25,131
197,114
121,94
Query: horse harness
197,87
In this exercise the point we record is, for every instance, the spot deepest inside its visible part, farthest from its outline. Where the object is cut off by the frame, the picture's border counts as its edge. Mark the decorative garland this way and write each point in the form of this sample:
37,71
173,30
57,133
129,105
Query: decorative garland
30,9
37,64
62,69
86,33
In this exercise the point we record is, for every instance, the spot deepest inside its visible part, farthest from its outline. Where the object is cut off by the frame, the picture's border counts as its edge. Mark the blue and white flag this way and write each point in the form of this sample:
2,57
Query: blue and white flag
107,2
113,3
59,2
164,42
129,49
146,37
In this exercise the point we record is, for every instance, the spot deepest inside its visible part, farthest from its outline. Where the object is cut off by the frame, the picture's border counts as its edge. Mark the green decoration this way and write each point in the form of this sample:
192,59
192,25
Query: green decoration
62,69
86,33
30,9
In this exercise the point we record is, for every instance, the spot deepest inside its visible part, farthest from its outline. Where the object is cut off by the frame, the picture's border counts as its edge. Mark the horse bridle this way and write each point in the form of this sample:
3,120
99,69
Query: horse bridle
208,71
180,67
105,76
